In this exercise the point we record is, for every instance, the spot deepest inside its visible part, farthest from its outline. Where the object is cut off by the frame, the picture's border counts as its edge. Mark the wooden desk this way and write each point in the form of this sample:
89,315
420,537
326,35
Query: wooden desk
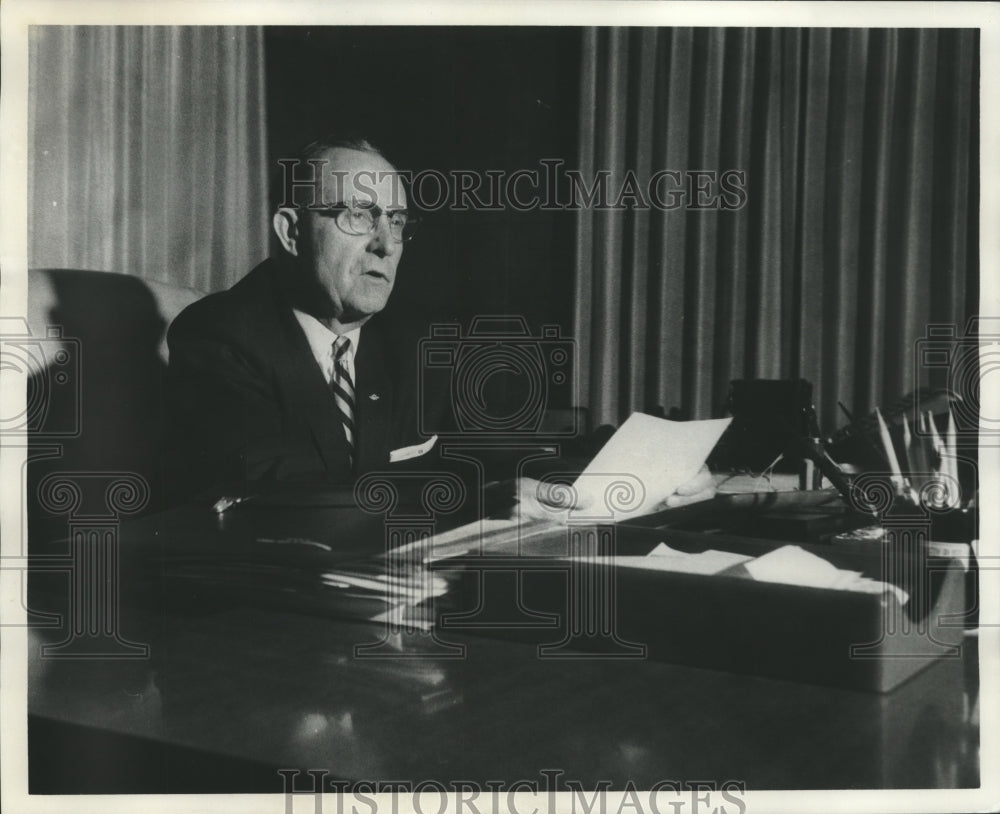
230,695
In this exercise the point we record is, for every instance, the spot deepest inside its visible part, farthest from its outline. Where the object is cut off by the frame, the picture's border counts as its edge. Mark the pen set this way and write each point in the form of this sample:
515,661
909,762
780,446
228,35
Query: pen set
926,473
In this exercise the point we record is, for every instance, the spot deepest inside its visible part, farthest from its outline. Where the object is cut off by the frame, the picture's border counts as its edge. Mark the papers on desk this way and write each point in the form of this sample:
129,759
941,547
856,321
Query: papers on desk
791,565
408,588
487,536
306,575
643,464
665,558
400,589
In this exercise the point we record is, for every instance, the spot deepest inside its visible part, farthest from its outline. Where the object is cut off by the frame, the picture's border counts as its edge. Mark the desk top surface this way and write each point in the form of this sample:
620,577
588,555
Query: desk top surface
287,690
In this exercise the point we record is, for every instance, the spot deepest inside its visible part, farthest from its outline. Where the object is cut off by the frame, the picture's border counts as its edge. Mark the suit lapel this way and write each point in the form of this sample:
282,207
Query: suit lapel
374,399
308,397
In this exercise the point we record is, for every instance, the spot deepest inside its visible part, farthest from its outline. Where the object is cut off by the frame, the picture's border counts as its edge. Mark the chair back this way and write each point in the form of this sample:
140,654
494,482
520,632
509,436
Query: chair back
96,383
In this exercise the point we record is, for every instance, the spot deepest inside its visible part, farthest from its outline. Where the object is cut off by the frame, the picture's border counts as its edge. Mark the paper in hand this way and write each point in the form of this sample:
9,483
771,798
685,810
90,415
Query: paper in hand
649,457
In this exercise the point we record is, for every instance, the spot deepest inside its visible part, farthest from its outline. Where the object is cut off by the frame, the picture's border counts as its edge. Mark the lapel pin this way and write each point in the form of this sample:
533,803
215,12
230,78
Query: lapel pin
374,396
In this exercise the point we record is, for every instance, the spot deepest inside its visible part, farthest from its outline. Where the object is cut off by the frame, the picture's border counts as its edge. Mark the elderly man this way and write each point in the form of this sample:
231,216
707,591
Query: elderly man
285,375
290,375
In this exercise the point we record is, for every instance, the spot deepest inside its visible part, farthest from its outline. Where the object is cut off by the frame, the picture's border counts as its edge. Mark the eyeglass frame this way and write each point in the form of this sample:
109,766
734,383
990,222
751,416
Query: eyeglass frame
336,209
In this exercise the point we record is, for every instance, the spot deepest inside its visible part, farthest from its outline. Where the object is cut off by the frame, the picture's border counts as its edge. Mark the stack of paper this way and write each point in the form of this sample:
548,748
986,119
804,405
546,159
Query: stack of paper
664,558
488,536
410,588
792,565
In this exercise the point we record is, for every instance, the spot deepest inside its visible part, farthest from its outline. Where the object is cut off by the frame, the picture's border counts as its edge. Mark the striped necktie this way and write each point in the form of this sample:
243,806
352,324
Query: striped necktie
343,390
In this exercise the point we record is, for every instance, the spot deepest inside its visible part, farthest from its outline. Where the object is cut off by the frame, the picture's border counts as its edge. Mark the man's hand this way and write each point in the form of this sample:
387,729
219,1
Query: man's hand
542,501
700,487
536,501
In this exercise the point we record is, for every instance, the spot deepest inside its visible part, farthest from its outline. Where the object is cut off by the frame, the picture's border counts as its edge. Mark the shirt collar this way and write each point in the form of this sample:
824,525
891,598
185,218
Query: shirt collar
320,337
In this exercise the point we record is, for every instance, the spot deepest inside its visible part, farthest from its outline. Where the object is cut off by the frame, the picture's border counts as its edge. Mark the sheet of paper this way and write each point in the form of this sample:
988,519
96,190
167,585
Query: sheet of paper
643,464
792,565
664,558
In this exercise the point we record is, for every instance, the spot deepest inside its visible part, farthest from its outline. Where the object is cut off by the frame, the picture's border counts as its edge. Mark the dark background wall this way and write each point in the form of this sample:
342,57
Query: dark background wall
447,98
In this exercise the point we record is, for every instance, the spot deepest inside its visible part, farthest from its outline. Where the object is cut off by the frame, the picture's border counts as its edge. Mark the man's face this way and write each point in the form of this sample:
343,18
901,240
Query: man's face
356,271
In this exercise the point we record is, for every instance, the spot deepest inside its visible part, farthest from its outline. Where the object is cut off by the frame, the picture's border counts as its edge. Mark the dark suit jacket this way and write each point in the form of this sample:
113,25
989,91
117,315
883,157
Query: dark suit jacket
248,402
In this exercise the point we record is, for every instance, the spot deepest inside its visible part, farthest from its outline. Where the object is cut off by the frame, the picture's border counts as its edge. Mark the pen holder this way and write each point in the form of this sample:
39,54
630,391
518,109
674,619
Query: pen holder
913,525
877,496
929,524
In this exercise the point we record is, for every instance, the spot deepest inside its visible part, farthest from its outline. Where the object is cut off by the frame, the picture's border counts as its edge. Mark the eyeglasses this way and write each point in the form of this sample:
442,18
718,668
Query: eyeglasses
363,219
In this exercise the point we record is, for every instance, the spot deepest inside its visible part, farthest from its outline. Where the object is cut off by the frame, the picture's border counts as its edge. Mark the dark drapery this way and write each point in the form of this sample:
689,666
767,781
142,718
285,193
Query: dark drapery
859,228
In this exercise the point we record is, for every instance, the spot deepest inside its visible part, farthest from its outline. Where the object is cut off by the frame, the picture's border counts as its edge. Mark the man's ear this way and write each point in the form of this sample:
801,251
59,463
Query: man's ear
286,227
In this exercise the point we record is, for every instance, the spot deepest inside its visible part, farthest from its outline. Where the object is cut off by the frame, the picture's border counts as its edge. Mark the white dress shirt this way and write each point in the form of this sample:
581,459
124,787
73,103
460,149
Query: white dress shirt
321,341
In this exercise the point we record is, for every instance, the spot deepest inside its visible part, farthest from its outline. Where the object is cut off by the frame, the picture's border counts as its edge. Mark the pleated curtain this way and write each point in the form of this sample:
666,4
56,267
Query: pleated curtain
147,151
859,229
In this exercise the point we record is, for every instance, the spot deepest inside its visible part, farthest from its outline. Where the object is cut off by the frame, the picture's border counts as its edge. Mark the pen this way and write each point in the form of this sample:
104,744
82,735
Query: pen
896,475
935,439
950,463
918,455
908,461
907,444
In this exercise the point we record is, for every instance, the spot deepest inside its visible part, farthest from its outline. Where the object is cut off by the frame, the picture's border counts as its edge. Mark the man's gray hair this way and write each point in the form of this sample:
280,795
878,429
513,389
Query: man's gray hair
311,151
